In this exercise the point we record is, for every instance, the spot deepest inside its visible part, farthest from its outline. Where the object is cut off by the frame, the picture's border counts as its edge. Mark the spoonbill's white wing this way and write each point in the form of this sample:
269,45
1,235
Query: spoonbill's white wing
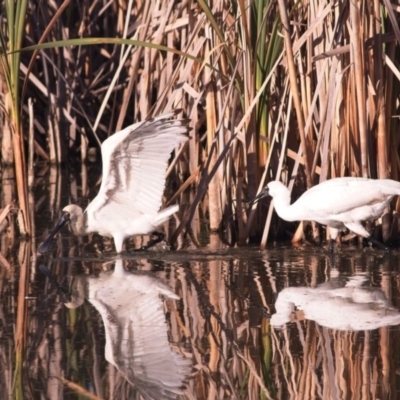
134,164
342,195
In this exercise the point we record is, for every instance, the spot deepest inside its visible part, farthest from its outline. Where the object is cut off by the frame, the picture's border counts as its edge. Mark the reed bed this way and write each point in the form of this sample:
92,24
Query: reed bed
301,92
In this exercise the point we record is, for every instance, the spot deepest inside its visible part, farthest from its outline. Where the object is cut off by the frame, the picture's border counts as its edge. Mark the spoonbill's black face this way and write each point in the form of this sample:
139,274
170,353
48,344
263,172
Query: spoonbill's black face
64,219
261,195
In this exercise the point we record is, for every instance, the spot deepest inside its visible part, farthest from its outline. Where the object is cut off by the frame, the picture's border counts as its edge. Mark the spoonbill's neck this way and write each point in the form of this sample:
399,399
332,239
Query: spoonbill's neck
283,208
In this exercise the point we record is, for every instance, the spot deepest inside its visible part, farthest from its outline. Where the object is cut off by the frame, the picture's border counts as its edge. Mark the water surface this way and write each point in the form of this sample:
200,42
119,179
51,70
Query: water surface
196,324
202,322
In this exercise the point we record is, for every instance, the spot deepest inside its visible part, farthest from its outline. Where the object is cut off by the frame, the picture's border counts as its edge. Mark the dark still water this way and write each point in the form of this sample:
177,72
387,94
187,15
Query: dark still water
201,322
285,323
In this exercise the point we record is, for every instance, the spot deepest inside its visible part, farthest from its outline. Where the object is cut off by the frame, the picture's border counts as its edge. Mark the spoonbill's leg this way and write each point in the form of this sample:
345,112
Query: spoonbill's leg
377,243
119,243
159,238
360,230
333,232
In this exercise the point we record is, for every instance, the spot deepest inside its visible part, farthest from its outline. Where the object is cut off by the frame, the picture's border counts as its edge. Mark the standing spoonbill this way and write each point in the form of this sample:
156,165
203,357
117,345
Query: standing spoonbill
129,199
338,203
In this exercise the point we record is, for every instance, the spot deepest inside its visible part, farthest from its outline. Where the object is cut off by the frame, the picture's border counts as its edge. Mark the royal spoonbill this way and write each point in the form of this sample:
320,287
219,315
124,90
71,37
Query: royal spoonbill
129,200
338,203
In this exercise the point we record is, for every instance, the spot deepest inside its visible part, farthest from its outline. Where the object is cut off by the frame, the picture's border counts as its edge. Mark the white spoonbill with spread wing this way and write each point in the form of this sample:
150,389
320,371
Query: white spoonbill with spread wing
338,203
129,200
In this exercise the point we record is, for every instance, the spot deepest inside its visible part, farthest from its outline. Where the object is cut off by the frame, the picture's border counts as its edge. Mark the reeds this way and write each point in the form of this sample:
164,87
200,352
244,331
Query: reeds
297,91
227,67
11,37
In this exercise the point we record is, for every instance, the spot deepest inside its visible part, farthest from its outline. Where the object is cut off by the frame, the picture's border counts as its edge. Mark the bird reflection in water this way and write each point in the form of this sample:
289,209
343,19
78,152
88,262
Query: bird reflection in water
136,330
353,306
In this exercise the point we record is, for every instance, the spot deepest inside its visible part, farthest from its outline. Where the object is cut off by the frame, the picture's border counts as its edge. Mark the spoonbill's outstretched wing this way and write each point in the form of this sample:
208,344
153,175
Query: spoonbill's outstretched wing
134,164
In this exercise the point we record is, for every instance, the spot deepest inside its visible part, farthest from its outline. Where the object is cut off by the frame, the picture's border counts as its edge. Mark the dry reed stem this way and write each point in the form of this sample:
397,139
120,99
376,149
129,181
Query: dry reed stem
4,212
20,328
359,72
278,175
78,389
31,175
189,181
7,155
4,263
20,167
294,89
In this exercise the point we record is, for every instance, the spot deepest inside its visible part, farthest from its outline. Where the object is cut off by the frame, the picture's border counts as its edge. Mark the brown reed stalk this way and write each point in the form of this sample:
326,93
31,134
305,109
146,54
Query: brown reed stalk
20,329
294,89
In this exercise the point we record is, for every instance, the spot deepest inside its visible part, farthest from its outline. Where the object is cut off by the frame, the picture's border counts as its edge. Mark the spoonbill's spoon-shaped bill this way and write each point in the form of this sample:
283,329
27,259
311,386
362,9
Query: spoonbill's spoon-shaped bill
338,203
134,164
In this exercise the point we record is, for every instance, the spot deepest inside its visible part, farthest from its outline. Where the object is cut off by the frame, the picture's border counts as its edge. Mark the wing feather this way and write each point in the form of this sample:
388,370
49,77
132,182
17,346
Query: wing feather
134,163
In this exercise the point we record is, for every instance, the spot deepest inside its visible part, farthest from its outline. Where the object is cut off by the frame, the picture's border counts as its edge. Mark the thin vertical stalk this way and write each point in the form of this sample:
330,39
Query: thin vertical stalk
16,11
279,171
359,71
295,90
214,185
31,175
25,252
381,107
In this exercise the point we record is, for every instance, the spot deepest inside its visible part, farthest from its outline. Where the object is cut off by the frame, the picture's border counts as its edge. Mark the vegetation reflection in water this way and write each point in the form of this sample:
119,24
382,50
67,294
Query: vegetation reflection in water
217,337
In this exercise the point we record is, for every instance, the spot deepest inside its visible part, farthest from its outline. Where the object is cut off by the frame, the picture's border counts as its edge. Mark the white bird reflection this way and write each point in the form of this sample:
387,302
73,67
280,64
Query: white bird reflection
136,331
351,307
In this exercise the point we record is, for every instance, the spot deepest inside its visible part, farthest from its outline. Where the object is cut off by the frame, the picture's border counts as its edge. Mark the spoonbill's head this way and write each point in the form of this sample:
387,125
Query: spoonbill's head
70,214
273,189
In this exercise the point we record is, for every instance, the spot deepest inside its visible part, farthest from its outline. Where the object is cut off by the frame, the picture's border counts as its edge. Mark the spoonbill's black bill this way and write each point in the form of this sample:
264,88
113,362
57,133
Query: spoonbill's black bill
337,203
130,195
